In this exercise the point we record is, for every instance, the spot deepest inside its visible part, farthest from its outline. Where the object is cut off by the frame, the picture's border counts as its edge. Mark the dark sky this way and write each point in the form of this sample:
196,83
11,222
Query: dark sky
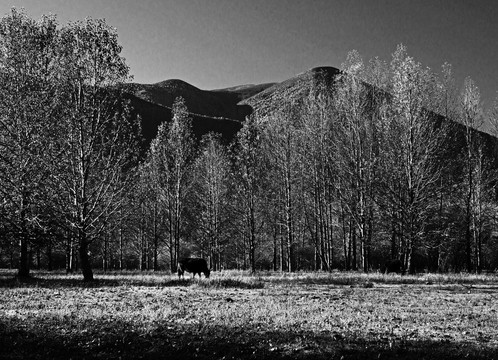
221,43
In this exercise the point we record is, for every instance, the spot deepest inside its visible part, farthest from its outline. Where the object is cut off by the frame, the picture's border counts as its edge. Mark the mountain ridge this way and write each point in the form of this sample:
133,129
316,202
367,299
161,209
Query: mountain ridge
232,104
221,110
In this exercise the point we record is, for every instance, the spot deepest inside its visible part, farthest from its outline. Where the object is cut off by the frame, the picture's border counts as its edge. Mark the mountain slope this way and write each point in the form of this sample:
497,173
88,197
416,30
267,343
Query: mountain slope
293,89
245,91
224,110
219,110
297,88
212,111
214,104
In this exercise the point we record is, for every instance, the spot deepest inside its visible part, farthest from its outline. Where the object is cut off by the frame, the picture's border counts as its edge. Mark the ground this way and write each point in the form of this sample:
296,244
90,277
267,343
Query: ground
234,315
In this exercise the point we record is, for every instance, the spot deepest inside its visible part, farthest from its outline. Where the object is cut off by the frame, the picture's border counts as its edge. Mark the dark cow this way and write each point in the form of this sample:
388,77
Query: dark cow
394,266
194,266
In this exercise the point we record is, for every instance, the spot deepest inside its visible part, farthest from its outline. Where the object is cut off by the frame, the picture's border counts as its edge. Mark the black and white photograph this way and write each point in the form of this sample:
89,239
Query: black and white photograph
249,179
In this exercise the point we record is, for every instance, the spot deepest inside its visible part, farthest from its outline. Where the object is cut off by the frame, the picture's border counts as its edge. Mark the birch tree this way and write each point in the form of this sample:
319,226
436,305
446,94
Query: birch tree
248,178
471,116
318,155
282,139
355,149
28,105
172,156
212,195
410,148
97,139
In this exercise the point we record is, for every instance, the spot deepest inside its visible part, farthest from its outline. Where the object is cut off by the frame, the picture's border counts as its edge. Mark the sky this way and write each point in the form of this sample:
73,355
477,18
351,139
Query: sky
215,44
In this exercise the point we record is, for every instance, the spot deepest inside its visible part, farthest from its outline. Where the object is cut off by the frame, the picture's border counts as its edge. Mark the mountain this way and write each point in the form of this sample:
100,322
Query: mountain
246,91
211,110
224,110
214,104
219,110
295,88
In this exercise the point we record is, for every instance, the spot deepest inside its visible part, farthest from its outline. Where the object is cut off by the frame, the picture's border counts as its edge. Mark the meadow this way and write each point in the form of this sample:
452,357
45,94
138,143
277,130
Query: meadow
236,315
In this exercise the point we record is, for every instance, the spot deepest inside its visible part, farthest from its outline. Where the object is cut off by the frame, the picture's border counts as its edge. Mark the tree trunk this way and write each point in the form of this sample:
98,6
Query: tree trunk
23,257
49,257
172,256
252,240
23,242
86,267
121,246
289,221
38,258
468,237
330,239
282,248
275,249
156,240
105,254
141,234
352,228
69,245
468,233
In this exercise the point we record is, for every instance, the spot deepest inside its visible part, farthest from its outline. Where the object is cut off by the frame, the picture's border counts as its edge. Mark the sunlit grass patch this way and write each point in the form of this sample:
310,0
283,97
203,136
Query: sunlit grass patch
242,279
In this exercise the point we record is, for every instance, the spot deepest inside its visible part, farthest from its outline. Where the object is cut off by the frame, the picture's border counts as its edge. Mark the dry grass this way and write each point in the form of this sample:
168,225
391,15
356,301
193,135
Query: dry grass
236,315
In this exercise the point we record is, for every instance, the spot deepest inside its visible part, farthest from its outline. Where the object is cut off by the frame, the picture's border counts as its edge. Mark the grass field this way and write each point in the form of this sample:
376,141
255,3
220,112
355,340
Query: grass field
234,315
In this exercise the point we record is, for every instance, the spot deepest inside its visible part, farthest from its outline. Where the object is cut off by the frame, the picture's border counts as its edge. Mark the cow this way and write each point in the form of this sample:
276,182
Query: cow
194,266
394,266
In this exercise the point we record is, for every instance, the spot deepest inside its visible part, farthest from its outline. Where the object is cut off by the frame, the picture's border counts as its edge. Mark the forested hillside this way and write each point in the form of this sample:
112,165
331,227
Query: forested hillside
327,170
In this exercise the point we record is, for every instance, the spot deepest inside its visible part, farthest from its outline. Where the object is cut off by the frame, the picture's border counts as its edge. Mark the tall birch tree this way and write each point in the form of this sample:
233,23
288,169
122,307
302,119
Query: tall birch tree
212,195
97,139
248,177
172,156
355,149
471,117
28,105
410,148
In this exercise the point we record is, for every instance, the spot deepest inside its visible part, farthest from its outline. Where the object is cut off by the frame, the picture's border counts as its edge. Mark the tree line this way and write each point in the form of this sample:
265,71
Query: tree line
383,163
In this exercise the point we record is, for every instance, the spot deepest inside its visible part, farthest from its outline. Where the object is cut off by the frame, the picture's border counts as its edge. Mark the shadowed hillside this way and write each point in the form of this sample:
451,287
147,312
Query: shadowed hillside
220,110
217,104
224,110
212,111
153,114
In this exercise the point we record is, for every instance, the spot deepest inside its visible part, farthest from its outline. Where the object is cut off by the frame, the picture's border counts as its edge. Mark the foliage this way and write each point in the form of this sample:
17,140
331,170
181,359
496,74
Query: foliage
171,163
28,99
333,169
71,134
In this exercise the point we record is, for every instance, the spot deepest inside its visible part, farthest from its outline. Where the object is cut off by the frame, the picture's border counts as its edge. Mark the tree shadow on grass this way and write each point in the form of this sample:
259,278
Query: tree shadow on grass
96,338
232,283
62,282
16,282
45,279
215,283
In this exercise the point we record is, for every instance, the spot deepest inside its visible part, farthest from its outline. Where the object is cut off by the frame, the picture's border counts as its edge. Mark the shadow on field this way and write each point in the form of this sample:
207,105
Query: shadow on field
120,339
15,282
